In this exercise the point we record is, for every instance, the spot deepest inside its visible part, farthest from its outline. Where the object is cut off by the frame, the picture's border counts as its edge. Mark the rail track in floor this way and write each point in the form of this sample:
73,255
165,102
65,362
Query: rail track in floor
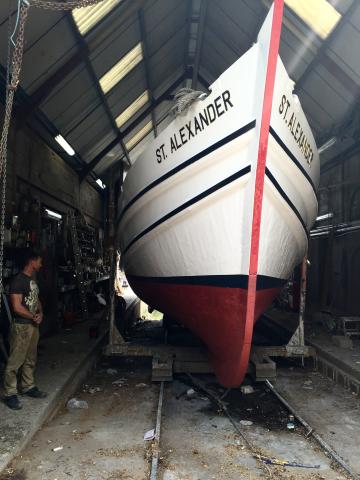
265,461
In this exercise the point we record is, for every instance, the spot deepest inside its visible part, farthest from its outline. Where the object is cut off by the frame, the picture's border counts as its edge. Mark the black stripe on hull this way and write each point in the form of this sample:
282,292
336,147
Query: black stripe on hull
220,185
224,281
292,157
189,203
271,177
195,158
213,189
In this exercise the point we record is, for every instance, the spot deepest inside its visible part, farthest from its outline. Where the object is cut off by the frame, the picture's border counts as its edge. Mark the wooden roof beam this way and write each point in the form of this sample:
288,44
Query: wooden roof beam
145,47
199,41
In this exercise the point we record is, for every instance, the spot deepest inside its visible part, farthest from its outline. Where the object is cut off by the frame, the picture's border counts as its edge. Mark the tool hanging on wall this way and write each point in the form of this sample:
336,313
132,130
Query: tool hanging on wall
79,268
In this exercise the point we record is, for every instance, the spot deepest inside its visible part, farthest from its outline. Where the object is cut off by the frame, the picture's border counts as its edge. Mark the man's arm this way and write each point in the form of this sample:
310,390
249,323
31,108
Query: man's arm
40,314
18,307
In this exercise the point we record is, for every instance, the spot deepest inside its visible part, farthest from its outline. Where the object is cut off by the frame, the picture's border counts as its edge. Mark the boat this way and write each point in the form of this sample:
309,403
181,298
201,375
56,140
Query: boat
204,237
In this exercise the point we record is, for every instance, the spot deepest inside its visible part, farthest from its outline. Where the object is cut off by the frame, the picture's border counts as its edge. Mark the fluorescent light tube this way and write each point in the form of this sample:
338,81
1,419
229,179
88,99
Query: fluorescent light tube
53,214
327,145
100,183
64,144
326,216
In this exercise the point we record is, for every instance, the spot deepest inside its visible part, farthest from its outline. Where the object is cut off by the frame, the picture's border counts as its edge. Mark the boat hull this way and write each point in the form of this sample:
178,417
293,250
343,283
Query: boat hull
215,311
188,201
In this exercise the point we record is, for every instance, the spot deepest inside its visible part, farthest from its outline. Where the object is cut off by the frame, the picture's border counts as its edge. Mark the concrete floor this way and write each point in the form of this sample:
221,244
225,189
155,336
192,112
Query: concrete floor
327,407
199,442
63,361
105,441
319,337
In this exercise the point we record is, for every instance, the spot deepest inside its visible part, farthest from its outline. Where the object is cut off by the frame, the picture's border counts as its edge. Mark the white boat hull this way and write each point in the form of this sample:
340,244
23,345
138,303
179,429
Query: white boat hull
188,200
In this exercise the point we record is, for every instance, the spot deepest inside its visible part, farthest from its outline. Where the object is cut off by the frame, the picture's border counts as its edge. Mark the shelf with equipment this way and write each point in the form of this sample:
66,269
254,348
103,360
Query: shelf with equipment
70,288
35,225
81,273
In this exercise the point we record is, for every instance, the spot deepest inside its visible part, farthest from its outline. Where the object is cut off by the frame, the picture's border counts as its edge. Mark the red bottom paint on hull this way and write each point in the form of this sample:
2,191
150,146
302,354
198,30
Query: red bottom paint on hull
214,314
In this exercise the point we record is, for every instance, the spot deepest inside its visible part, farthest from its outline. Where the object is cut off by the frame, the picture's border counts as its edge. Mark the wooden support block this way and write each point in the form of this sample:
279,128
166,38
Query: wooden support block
350,325
342,341
184,366
262,367
162,369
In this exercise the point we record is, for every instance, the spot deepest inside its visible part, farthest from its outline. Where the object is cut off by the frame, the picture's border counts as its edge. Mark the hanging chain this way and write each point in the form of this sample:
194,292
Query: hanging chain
11,87
70,5
14,65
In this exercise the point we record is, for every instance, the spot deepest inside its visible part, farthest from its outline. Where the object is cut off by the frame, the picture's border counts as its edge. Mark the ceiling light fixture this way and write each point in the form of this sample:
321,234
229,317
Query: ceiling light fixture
65,145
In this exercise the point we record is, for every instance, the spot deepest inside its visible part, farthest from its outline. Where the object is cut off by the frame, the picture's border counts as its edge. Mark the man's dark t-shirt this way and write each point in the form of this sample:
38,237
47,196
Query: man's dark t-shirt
27,286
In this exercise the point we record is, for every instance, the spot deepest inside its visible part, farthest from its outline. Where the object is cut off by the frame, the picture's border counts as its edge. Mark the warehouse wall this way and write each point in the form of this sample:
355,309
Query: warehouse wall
334,278
34,168
35,171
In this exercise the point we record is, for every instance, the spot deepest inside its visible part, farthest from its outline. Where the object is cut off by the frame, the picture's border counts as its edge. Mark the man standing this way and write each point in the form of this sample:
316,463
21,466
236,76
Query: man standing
24,334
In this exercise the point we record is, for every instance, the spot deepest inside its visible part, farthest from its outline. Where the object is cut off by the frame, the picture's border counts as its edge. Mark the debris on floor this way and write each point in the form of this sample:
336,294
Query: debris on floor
13,474
111,371
91,390
79,434
307,385
247,389
190,392
246,423
149,435
285,463
121,382
57,449
74,403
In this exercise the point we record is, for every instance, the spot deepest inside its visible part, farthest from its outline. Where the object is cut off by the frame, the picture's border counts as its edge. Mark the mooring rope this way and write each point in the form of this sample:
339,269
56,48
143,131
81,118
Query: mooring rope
184,98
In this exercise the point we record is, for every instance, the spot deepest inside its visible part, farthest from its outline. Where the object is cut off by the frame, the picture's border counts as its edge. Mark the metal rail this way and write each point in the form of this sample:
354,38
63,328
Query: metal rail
224,408
156,444
255,452
312,433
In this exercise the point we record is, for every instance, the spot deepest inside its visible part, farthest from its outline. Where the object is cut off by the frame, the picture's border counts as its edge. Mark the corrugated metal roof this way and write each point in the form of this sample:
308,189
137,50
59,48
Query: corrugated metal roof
86,18
47,60
328,71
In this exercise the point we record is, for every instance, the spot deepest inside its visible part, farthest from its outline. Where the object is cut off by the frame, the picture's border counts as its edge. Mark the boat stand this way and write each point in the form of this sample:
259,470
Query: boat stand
262,366
166,359
169,359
